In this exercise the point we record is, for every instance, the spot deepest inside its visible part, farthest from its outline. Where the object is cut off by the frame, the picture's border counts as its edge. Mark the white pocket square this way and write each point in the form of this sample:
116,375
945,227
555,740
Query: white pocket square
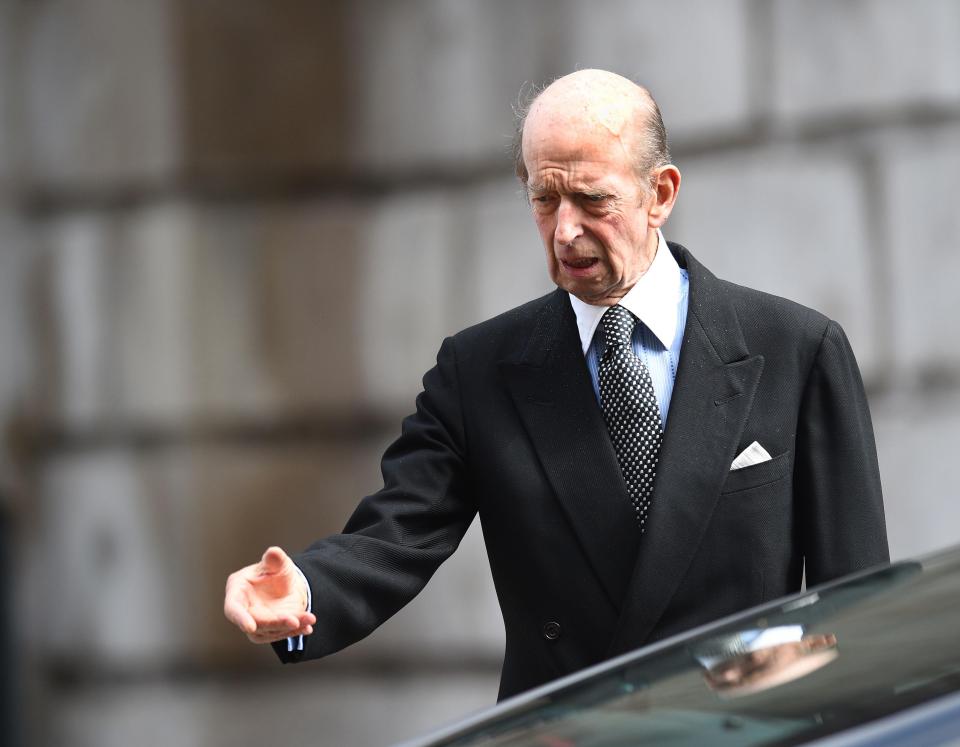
753,454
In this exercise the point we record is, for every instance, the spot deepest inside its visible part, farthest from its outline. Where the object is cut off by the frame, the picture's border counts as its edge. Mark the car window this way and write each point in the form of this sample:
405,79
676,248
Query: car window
815,665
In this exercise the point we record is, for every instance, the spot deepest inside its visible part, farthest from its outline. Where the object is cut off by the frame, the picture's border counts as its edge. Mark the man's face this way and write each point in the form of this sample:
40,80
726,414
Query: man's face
591,211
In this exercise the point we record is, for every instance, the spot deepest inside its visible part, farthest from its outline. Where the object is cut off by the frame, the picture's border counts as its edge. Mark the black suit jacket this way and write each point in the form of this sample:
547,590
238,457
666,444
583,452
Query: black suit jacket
508,426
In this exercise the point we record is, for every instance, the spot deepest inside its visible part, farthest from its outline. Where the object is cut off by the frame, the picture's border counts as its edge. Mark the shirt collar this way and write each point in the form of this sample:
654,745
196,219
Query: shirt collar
653,300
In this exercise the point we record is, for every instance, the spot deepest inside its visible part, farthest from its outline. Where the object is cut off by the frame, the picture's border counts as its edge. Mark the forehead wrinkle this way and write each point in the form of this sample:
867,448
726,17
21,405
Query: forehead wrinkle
594,126
583,170
572,183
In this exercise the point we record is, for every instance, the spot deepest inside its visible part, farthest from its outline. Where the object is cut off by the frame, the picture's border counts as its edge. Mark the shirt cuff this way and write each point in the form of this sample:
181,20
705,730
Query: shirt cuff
295,643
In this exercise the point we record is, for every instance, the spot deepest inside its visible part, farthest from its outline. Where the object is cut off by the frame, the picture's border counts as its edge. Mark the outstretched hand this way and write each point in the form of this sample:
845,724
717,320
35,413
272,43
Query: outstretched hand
268,600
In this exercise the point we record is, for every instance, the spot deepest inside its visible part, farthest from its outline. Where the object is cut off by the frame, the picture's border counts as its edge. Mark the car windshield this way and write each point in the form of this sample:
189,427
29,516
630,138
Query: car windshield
816,664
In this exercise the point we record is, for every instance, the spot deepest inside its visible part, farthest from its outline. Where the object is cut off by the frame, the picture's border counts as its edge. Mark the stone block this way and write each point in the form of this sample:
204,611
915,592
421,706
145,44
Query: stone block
434,81
102,581
694,57
16,339
864,55
8,28
790,222
916,441
264,88
116,338
505,265
274,294
408,293
151,290
326,306
343,710
98,90
920,176
78,379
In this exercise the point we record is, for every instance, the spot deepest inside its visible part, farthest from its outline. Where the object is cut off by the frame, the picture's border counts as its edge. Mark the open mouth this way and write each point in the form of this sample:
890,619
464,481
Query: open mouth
579,263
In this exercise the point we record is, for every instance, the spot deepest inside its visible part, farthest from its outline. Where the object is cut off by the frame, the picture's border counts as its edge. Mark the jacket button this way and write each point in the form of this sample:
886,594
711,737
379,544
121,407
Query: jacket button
551,630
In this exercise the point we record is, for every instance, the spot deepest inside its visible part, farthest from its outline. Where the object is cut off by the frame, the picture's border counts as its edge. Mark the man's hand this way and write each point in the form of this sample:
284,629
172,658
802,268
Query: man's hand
268,600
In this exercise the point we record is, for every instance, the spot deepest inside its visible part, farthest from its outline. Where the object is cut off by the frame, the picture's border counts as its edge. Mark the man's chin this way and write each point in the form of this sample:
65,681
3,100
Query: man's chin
592,295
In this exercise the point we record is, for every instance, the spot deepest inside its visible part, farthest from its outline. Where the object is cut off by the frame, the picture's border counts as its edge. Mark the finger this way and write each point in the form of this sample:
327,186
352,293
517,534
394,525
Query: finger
273,560
307,618
304,628
270,636
239,616
269,619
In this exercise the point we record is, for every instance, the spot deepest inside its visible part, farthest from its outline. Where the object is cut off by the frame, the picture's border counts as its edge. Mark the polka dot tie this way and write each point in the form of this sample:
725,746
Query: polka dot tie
630,409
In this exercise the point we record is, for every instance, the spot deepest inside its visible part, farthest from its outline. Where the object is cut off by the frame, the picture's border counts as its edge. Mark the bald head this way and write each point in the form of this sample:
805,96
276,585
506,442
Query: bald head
597,104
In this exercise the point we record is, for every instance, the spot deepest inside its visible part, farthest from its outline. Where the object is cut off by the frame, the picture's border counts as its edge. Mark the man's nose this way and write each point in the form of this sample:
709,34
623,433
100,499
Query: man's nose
569,226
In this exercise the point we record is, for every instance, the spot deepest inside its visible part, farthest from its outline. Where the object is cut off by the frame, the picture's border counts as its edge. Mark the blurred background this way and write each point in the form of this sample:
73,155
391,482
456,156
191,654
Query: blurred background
233,234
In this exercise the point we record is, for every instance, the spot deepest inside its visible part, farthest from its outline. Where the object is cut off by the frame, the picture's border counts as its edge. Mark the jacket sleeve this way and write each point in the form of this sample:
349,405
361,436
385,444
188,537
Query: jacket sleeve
397,537
837,477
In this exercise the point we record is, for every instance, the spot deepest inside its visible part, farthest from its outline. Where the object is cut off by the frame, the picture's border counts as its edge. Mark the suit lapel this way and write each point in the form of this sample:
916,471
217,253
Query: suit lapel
714,390
551,388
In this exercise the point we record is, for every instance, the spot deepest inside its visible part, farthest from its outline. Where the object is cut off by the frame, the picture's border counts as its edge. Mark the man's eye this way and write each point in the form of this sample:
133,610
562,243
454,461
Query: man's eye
596,198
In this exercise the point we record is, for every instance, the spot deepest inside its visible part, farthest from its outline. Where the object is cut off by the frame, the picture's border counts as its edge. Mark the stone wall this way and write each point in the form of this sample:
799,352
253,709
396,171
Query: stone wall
233,234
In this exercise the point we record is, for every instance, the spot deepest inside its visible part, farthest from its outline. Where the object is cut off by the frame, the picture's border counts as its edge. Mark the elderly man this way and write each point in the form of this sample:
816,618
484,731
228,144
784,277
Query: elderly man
648,447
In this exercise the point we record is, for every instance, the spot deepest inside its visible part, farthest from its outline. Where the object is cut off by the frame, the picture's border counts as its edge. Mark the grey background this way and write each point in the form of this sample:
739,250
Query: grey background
233,234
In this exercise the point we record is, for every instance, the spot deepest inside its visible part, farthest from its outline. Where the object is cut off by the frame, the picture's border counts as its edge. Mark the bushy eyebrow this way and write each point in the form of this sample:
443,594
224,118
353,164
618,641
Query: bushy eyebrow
591,194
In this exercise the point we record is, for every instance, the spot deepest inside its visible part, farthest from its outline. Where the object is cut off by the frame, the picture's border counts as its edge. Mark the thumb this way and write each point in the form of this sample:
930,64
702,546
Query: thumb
273,561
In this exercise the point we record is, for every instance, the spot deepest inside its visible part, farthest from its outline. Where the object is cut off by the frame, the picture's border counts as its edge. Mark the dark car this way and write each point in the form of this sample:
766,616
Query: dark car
871,659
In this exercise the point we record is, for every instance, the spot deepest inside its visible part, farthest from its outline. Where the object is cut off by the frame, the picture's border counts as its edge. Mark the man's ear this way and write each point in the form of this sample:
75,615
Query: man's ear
666,189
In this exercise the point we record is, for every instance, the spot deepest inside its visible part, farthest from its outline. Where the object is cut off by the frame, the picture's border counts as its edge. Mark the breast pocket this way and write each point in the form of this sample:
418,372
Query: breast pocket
757,474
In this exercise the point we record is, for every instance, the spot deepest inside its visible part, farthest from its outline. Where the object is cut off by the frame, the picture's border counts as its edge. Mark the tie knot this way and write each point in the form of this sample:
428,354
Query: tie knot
618,324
